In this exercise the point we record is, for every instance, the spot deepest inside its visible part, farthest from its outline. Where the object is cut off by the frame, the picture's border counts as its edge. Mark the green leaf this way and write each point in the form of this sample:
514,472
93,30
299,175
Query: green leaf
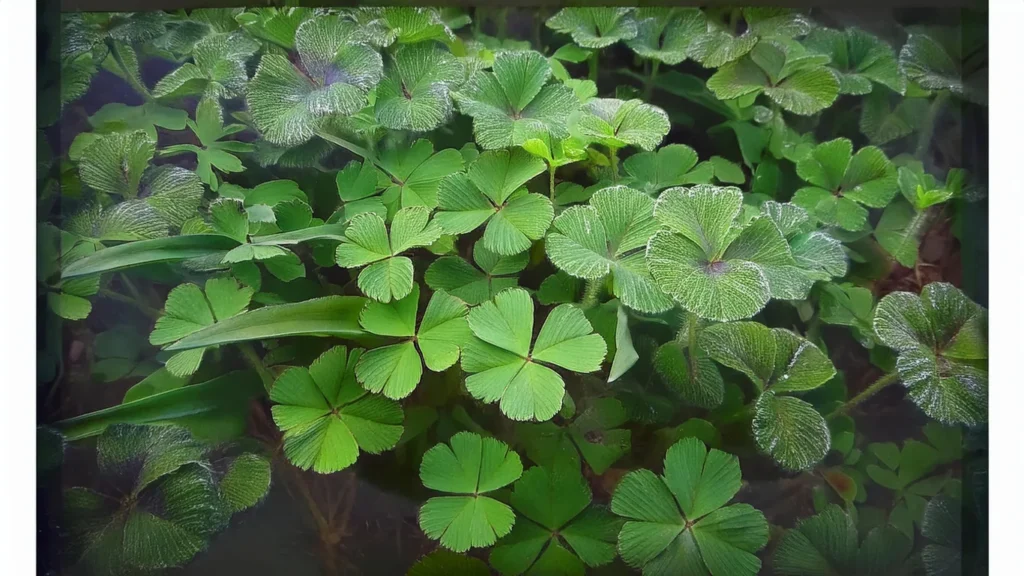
625,354
471,467
395,370
114,163
602,238
416,172
327,418
441,562
899,231
595,27
665,34
218,71
679,523
671,165
476,284
216,409
727,171
329,316
773,358
414,93
790,430
501,363
512,104
934,66
620,123
858,58
698,382
368,241
289,105
822,544
384,26
938,336
883,122
943,529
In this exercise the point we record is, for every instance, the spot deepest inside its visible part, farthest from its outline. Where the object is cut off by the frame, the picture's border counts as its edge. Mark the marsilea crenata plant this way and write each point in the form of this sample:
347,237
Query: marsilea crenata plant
568,292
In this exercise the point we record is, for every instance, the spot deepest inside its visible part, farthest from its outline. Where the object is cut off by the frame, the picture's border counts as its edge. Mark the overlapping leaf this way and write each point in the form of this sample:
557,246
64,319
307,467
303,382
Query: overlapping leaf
665,34
217,71
414,93
616,123
858,58
476,284
595,433
595,27
672,165
416,172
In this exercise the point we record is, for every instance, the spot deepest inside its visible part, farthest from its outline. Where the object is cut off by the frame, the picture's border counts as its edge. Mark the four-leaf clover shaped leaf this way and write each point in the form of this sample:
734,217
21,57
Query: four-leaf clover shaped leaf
288,102
595,27
367,241
619,123
594,431
476,284
671,165
218,70
328,418
942,345
711,266
416,172
492,191
935,58
395,370
608,236
678,523
858,58
414,93
665,34
503,366
470,467
189,309
793,77
209,128
777,362
843,183
818,255
557,530
514,102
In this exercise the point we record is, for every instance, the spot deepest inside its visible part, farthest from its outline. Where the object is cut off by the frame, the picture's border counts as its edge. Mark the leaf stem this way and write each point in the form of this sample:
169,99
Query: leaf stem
613,157
111,295
591,292
868,392
551,181
592,61
924,138
353,148
649,84
254,360
502,23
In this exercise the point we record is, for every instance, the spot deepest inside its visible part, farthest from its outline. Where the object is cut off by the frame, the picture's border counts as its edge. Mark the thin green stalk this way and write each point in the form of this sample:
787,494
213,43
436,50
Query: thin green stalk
111,295
502,23
613,157
590,293
868,392
592,61
551,181
924,138
649,85
254,360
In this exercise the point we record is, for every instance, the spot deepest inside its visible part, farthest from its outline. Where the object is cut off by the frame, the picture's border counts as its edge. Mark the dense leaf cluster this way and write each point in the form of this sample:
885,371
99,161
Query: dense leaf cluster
419,236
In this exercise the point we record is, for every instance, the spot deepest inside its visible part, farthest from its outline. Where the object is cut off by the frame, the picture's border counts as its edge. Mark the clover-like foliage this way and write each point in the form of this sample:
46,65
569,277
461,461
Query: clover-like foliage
395,370
492,191
327,418
557,529
858,58
679,523
368,241
476,284
595,27
843,183
213,153
514,102
416,172
594,433
505,367
671,165
217,71
665,34
608,236
941,338
469,467
707,263
414,93
163,496
616,123
332,76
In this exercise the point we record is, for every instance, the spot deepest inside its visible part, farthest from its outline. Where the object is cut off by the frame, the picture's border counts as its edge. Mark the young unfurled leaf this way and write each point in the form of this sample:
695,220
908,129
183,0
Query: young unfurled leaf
665,34
606,237
189,309
218,70
327,418
711,266
777,361
595,27
595,432
368,241
504,367
557,530
471,467
288,102
395,370
416,173
843,183
616,123
828,544
414,93
858,58
514,102
476,284
941,338
790,75
678,523
492,191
